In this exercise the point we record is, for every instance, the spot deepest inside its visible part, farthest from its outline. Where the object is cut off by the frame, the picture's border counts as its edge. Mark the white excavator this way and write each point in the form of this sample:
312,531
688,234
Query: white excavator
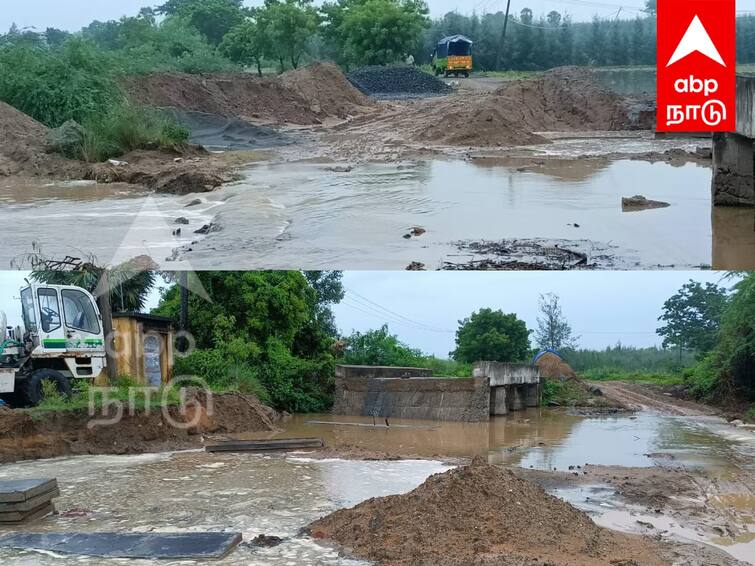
61,341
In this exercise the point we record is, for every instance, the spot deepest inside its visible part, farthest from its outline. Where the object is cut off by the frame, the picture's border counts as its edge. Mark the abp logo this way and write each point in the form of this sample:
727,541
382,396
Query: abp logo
696,65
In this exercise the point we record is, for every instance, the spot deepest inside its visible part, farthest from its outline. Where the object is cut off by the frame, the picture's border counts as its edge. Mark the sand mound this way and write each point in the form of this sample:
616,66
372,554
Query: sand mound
304,97
22,141
565,99
553,367
327,89
479,514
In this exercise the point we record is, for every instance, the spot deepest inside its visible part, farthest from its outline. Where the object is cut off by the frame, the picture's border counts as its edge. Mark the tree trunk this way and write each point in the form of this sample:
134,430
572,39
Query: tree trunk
106,312
259,67
183,317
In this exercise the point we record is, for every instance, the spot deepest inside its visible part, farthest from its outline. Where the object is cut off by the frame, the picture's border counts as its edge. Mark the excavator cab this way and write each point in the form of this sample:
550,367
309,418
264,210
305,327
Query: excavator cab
62,340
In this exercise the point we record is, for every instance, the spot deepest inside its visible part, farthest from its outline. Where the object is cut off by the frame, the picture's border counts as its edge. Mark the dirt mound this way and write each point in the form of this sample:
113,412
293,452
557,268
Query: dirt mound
65,433
22,142
480,514
552,366
327,89
564,99
397,82
304,97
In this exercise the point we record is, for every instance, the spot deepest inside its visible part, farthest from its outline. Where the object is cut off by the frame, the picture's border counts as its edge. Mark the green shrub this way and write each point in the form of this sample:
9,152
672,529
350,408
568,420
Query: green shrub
127,127
702,378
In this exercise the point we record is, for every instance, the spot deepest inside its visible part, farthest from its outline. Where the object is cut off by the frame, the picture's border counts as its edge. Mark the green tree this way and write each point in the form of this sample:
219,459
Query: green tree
376,32
692,317
553,330
246,44
734,355
289,26
329,288
379,348
213,18
490,335
260,327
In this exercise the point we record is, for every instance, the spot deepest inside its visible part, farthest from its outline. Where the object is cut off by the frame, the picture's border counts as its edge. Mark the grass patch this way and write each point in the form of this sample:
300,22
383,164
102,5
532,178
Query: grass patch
127,127
563,394
83,391
511,75
749,415
653,378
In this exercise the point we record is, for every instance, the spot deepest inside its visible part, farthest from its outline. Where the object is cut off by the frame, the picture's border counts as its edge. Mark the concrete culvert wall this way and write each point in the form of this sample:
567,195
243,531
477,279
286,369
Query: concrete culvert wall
404,393
513,387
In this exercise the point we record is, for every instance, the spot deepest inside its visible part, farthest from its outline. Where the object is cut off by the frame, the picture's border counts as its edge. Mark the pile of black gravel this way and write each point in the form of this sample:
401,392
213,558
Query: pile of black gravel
397,82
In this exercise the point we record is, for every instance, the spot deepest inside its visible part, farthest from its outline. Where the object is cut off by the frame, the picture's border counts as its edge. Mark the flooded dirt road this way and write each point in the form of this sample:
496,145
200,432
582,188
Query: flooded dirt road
316,215
278,495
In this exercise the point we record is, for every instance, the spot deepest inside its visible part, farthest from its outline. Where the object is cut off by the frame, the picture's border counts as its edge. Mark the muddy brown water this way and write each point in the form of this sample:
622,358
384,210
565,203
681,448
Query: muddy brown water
305,214
277,495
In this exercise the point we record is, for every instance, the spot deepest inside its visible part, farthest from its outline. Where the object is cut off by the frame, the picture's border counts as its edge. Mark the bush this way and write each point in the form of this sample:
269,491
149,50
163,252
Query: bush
73,83
127,127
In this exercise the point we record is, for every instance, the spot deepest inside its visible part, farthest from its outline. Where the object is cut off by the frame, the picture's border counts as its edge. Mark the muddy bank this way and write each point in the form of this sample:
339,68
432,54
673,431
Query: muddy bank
30,436
482,514
306,96
180,170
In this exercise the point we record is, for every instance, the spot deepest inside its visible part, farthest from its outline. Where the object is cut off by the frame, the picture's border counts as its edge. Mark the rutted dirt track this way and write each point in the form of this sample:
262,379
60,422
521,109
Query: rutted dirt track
643,397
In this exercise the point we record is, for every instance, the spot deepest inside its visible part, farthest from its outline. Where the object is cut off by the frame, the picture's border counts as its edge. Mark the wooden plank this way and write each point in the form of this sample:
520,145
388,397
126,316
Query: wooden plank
265,445
16,491
380,423
30,504
18,518
146,546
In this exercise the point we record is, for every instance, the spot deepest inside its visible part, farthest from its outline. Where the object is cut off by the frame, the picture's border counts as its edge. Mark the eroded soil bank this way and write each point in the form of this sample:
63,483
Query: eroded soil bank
29,436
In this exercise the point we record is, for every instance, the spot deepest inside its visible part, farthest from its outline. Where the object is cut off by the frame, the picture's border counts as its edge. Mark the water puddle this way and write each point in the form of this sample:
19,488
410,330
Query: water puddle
536,438
308,215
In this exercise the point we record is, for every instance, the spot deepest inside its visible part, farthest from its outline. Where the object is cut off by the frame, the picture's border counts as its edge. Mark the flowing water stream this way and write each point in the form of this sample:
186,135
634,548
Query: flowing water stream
278,495
305,214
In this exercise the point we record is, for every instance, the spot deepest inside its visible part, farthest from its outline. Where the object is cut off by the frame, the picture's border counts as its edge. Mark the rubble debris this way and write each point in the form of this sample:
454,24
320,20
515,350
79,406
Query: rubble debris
397,82
146,546
639,202
265,541
526,254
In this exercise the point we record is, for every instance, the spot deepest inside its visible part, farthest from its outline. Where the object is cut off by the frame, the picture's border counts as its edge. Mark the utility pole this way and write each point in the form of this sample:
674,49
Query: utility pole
499,58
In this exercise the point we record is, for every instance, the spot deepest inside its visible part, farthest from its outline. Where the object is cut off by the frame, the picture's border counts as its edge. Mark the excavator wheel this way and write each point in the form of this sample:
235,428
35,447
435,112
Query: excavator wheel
31,392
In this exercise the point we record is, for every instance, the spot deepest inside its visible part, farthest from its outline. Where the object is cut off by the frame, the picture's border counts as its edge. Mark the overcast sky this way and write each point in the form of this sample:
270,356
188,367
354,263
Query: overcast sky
424,308
72,15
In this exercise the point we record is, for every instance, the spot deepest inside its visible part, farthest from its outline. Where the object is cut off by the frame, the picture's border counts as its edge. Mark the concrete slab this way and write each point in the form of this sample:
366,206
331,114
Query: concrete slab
147,546
15,491
265,445
23,517
31,503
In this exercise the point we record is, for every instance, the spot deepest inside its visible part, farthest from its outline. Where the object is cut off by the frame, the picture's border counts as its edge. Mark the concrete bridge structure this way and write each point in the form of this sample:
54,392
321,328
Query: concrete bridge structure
734,155
411,393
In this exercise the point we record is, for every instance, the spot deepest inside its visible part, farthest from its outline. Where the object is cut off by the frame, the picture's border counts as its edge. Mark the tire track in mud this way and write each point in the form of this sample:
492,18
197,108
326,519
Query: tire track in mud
648,400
